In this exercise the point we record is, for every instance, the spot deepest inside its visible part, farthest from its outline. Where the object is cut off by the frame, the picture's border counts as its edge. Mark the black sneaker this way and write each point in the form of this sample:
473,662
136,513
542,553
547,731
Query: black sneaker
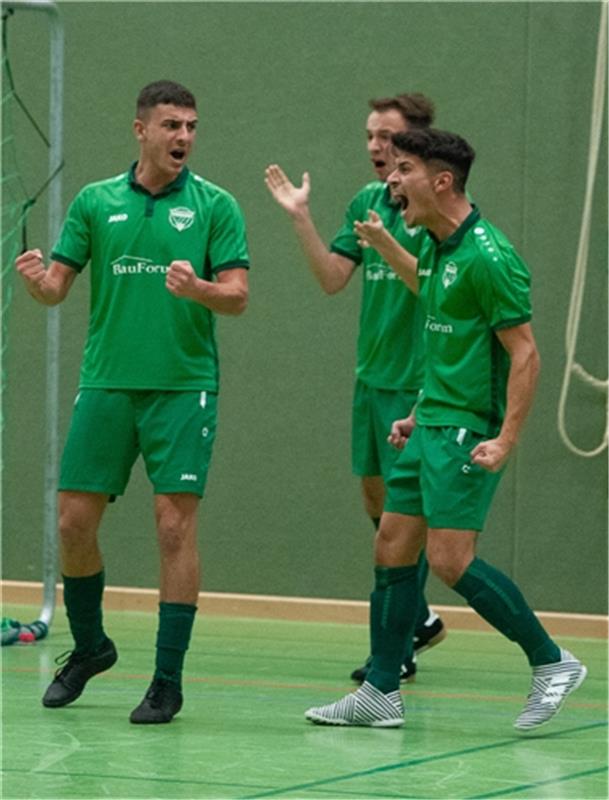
408,670
429,635
76,669
161,703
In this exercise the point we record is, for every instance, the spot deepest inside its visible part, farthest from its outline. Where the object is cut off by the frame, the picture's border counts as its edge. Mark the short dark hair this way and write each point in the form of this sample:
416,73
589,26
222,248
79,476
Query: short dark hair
448,150
416,109
164,92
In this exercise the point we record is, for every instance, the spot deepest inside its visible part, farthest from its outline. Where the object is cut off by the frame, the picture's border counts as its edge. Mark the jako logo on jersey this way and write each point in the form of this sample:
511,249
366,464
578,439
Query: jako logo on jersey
188,476
181,218
135,265
450,274
118,217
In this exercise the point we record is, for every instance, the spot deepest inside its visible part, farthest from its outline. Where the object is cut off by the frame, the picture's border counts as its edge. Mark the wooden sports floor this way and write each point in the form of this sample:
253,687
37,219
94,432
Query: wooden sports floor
242,734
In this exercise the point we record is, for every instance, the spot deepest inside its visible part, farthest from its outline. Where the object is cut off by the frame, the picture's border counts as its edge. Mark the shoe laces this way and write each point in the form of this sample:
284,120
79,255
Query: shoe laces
66,660
156,690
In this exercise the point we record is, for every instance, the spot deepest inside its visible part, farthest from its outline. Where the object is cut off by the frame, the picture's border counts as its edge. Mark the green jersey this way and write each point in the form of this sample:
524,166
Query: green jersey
470,285
389,346
140,336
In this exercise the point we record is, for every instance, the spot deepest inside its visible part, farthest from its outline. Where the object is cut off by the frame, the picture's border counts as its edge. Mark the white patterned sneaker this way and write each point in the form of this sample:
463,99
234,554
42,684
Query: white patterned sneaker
552,684
367,706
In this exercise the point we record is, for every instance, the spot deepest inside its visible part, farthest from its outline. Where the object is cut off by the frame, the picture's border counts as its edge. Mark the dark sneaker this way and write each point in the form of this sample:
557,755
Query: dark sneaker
161,703
429,635
76,669
408,670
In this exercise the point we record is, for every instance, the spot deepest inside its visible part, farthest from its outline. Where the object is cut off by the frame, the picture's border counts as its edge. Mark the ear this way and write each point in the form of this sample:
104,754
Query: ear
139,129
443,180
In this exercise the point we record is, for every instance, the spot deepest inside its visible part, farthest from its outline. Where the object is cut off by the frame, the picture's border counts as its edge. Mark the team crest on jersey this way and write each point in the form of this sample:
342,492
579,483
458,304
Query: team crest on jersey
450,274
181,218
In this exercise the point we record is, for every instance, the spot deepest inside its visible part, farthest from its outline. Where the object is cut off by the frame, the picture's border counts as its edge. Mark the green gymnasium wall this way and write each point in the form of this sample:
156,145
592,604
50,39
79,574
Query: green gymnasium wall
289,82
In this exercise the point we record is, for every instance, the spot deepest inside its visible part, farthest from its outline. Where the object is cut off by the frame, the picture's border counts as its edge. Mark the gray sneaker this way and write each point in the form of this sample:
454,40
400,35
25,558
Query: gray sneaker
552,684
367,706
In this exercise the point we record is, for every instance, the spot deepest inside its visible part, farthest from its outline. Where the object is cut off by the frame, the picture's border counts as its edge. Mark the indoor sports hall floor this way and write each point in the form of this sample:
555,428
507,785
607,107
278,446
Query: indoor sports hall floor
242,734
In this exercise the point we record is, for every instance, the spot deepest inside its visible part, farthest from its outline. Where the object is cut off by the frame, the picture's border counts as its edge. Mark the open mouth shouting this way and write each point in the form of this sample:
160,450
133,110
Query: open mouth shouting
401,198
380,167
398,196
178,154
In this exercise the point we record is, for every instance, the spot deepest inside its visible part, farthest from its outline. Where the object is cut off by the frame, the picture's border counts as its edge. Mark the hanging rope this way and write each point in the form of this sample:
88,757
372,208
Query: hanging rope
8,72
581,261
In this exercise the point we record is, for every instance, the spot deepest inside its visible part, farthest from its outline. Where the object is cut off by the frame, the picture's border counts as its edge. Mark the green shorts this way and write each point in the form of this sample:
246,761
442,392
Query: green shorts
374,411
174,432
433,477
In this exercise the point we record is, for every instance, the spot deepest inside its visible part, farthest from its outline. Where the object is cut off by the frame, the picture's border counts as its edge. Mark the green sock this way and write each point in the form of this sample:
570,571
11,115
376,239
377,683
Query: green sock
83,602
392,617
173,637
422,607
500,602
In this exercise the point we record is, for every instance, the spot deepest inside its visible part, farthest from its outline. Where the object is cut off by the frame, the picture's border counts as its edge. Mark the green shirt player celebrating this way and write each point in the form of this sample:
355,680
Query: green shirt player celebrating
167,249
481,368
388,377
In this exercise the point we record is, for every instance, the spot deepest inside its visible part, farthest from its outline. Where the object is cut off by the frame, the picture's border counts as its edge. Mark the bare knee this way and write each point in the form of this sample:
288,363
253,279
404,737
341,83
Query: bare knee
79,518
399,540
373,493
450,552
176,529
172,534
445,568
447,565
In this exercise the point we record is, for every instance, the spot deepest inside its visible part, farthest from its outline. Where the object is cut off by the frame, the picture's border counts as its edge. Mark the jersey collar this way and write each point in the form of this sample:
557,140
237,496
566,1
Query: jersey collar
174,186
455,239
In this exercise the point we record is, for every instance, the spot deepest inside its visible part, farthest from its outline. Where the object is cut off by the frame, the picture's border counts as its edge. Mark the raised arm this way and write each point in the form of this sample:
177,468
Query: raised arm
372,233
522,380
48,286
331,270
228,294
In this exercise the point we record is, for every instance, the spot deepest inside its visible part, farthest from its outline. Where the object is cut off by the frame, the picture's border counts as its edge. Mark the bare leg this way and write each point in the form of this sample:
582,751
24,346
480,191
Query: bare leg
176,520
373,493
450,552
80,514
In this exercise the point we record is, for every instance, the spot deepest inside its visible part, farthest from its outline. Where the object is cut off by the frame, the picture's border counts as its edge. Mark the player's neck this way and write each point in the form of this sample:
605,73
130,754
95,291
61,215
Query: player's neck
449,216
153,179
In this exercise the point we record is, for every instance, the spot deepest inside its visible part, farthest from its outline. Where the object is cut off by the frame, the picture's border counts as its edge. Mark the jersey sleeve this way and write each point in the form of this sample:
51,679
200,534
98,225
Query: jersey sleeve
73,247
228,242
502,283
345,241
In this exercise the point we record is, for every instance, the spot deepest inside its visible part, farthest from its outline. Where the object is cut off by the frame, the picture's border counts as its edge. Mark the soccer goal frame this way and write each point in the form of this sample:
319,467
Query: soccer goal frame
55,137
